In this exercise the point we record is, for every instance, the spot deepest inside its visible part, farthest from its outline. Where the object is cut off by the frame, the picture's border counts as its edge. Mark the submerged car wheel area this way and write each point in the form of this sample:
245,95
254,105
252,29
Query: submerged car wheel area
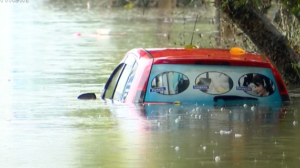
189,76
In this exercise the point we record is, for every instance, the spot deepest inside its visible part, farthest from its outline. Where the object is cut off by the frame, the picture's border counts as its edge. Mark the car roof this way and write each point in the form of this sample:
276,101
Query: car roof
201,53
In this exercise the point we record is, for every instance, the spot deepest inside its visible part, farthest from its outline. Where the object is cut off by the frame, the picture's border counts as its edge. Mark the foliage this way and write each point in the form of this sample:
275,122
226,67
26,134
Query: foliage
289,26
296,67
293,6
280,40
129,5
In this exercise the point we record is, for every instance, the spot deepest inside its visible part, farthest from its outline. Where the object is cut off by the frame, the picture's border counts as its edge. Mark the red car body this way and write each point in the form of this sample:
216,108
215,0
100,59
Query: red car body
142,61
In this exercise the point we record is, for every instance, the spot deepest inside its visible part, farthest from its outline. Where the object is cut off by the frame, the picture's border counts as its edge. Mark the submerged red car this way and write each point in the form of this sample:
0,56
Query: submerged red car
189,76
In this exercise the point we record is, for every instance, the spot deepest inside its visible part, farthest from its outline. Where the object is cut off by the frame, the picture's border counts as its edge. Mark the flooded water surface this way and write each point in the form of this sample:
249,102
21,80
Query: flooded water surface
50,53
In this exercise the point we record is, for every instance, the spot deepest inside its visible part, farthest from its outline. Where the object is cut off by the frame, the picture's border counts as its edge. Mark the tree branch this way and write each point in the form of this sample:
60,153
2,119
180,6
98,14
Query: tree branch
264,35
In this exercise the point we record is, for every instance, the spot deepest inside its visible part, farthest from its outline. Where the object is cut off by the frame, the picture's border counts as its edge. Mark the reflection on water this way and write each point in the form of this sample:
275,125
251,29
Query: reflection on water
43,68
191,136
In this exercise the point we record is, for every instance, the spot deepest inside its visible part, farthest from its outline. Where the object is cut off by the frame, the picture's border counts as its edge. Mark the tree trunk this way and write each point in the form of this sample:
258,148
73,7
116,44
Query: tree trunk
166,7
265,36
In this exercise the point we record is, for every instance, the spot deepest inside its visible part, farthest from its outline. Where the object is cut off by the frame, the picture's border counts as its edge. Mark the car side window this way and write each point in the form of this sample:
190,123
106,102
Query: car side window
129,82
129,62
122,82
114,80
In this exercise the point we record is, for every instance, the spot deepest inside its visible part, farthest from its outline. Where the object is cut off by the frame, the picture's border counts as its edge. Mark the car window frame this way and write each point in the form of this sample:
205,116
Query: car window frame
130,62
107,84
122,65
129,81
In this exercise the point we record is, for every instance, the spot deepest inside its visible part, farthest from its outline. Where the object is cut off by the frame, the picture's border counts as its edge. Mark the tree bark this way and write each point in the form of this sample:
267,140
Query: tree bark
265,36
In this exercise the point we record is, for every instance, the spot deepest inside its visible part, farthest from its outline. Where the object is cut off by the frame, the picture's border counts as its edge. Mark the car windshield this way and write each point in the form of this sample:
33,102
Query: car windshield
206,83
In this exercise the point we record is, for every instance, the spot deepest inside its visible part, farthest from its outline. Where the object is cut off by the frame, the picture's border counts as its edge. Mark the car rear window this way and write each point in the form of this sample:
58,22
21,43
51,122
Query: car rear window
203,83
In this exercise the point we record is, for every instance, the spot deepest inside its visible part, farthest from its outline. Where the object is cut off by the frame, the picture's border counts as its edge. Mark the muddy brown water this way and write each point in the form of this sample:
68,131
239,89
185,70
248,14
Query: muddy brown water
44,67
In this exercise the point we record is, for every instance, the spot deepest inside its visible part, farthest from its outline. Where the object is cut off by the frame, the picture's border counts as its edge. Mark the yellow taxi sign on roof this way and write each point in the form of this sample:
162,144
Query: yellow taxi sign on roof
190,47
177,102
237,51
